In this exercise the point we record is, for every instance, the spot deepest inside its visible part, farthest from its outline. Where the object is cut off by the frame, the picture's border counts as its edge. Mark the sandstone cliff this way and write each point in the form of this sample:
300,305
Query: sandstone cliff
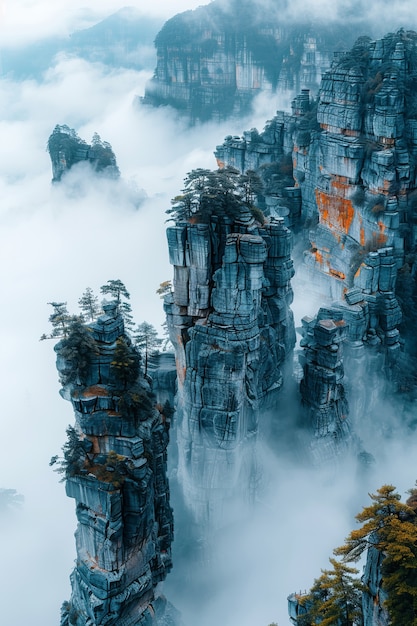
115,468
232,329
66,149
212,61
353,172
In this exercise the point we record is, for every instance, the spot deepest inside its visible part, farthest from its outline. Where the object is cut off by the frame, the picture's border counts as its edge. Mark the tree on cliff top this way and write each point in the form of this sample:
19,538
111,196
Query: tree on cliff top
390,526
335,598
116,289
61,321
77,349
89,305
223,193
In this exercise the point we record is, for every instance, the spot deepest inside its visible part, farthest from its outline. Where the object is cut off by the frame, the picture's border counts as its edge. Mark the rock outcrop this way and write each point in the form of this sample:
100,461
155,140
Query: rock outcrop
353,172
325,407
212,62
115,468
374,596
66,149
352,159
230,323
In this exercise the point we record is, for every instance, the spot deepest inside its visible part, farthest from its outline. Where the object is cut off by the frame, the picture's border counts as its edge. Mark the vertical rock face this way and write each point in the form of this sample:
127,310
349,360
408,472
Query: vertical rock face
270,154
353,170
352,160
212,61
115,469
360,179
232,328
66,149
374,596
322,391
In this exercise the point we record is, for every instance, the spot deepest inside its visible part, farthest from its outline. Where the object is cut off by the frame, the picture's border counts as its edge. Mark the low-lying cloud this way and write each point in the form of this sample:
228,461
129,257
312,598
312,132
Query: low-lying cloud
57,240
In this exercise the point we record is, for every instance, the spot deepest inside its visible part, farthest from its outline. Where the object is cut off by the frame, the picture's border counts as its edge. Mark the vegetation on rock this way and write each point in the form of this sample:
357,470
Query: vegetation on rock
223,193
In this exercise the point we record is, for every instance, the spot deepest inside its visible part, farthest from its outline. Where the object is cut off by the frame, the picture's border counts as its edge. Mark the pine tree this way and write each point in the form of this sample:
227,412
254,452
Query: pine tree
75,454
164,288
117,290
390,526
60,320
77,348
125,364
208,193
147,341
89,305
335,598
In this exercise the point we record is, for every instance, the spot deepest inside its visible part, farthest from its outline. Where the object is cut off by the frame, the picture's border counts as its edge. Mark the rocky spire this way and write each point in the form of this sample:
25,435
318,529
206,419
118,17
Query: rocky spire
115,468
232,329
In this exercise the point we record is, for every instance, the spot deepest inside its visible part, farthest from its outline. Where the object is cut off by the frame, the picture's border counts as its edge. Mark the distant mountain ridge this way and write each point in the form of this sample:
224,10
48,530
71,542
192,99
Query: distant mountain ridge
124,39
214,60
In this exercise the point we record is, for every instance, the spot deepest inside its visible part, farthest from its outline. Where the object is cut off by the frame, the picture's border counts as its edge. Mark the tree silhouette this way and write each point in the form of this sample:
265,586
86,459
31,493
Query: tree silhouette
60,320
125,364
334,599
117,290
89,305
147,341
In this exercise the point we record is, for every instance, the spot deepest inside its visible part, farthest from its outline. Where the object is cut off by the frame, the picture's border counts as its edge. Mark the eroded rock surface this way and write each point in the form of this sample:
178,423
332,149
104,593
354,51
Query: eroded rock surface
232,329
66,149
212,62
115,469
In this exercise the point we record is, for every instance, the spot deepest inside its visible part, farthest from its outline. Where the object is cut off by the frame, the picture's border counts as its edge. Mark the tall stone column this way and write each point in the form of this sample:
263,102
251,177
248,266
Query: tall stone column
115,469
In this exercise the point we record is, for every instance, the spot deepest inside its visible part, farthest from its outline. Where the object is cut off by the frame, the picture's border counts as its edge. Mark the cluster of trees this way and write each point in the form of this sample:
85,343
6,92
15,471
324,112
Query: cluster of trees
77,342
223,193
64,139
78,456
389,526
76,453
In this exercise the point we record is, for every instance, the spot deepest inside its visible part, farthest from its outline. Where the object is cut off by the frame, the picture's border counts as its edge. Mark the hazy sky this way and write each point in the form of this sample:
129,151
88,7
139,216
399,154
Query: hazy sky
56,241
31,20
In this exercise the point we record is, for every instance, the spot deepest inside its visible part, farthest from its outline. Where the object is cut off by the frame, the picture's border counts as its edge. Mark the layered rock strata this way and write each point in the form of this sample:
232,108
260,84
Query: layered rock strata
115,469
353,156
232,329
365,321
325,406
361,180
212,62
270,154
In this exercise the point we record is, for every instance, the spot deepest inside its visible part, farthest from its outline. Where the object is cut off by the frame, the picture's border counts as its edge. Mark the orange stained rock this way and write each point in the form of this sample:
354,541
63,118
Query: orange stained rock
382,237
361,233
318,255
350,133
340,186
181,371
220,164
336,212
93,391
337,274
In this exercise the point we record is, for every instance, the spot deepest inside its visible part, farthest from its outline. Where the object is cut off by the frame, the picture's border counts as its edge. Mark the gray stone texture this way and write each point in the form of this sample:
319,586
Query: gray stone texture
213,61
232,329
120,487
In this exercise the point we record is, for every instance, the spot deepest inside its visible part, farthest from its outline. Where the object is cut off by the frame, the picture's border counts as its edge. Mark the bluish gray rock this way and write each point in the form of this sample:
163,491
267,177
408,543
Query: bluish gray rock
230,322
115,468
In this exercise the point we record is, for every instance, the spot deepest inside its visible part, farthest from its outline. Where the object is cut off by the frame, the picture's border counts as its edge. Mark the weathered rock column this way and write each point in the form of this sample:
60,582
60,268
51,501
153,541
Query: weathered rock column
232,329
115,469
322,391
